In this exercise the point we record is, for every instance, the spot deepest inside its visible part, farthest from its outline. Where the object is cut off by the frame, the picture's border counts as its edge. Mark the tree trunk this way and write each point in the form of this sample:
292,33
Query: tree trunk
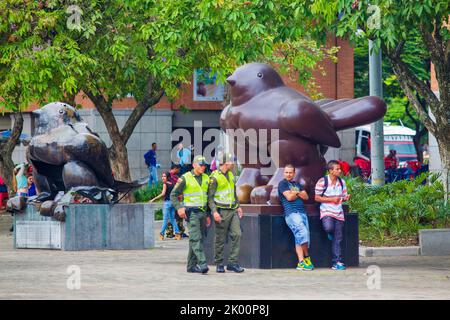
416,140
420,132
118,157
444,152
118,153
6,151
226,95
6,169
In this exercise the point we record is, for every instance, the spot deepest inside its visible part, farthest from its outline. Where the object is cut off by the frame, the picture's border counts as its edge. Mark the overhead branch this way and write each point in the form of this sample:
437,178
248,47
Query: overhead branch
150,99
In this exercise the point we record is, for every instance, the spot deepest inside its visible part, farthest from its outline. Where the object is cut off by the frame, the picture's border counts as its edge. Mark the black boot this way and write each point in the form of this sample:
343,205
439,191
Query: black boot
220,268
204,268
194,269
199,269
235,267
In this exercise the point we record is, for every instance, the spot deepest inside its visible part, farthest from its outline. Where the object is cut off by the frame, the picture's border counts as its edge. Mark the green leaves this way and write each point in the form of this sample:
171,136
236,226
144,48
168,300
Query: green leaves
398,209
116,45
38,62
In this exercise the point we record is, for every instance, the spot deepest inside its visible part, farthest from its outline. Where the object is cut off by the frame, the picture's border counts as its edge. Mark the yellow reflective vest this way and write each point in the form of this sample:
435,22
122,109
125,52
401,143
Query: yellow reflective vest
195,195
224,195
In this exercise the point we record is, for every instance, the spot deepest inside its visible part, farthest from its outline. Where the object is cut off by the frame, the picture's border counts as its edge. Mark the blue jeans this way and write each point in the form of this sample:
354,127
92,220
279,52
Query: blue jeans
299,225
169,213
336,228
152,176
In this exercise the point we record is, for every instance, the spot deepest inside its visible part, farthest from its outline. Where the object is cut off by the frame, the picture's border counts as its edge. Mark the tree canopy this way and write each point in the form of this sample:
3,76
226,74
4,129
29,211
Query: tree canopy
392,25
109,50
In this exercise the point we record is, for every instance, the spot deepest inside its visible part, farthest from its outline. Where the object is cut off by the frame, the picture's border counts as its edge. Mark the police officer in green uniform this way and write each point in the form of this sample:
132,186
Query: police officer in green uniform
193,185
224,205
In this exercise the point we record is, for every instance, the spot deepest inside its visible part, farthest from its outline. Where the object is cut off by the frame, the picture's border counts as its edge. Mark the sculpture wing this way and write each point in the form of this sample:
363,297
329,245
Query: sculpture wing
82,127
345,113
91,150
306,119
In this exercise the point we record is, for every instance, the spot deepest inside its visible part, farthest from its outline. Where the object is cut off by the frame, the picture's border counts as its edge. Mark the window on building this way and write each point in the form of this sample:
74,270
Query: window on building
206,87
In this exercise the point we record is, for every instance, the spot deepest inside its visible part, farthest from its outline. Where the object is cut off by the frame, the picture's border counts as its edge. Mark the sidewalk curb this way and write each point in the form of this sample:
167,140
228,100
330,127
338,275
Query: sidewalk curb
388,251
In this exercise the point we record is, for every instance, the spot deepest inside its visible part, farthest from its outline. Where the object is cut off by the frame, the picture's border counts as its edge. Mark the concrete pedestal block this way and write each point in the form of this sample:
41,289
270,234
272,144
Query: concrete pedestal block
87,227
434,242
268,243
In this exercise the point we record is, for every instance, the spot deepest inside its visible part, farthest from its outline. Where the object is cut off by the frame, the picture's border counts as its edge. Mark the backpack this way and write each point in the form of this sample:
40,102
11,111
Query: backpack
325,184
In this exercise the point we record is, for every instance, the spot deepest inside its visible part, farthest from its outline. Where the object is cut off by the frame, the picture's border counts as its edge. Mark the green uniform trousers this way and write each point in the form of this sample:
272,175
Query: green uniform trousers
197,227
230,225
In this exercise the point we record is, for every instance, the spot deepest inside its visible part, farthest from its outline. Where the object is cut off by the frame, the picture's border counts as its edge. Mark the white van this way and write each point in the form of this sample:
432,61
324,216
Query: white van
395,138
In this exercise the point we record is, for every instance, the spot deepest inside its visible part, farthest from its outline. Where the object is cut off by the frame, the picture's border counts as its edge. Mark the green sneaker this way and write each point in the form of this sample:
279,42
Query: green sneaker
303,266
308,262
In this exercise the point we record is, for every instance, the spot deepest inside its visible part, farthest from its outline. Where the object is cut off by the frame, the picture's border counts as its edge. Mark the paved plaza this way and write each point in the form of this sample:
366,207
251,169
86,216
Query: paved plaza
159,273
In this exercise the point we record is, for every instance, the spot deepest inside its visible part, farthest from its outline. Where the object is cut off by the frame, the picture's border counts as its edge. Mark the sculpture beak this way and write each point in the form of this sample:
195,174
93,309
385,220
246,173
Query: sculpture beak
231,81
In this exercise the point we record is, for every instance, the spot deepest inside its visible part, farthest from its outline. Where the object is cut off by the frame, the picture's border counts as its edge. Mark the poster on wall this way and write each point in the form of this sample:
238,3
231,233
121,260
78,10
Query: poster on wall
206,87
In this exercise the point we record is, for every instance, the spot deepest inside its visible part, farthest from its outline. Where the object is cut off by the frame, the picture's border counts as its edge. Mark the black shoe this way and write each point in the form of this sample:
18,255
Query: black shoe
195,269
11,229
220,268
235,267
204,268
184,235
199,269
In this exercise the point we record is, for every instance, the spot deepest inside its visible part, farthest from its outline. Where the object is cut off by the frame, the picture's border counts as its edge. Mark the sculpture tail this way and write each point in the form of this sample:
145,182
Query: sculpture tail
350,113
124,187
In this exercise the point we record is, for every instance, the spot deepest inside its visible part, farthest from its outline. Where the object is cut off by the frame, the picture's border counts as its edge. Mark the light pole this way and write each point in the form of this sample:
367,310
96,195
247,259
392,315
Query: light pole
376,128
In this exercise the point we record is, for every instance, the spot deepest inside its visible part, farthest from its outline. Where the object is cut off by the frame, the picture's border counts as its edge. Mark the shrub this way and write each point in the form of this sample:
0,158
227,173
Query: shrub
144,194
398,210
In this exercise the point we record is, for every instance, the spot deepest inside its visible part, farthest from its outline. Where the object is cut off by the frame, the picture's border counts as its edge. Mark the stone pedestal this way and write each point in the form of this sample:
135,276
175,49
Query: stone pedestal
268,243
87,227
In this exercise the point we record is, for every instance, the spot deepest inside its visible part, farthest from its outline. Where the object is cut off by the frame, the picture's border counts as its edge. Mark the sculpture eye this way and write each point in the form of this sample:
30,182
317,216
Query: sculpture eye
260,75
61,111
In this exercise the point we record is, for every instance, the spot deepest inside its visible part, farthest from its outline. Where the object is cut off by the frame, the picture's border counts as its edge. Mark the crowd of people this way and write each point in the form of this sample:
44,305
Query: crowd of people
196,197
23,184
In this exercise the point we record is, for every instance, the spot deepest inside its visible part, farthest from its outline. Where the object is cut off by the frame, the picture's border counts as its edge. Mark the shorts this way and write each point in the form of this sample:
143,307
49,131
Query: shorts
298,223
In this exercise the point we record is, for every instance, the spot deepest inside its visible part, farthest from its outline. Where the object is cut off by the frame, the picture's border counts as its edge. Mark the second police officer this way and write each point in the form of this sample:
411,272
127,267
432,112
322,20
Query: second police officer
224,205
